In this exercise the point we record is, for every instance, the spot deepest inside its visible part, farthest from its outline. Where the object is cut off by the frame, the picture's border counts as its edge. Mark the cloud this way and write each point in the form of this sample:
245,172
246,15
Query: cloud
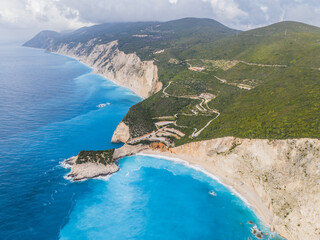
62,15
23,18
173,1
44,13
227,9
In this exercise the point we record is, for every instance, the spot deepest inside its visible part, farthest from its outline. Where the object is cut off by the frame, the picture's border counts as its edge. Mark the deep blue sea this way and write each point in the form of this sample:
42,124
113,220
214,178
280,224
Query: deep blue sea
48,112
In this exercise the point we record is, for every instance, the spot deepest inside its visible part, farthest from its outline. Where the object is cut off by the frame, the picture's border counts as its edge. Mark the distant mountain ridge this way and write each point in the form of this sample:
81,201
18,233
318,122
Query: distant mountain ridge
104,47
42,39
190,29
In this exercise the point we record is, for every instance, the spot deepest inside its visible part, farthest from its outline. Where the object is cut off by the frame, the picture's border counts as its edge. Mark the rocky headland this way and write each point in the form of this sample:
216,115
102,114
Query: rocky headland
93,164
89,169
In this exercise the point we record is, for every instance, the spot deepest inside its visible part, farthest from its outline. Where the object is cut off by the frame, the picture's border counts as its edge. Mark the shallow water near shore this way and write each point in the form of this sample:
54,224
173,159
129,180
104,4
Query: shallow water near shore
48,112
154,198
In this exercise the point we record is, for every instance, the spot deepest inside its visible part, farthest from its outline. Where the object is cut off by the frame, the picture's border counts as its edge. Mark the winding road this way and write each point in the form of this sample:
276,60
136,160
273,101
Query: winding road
199,107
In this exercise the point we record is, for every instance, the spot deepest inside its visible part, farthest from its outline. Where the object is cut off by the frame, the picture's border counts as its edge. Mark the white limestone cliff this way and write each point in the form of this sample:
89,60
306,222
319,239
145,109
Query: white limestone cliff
89,169
126,70
121,134
281,178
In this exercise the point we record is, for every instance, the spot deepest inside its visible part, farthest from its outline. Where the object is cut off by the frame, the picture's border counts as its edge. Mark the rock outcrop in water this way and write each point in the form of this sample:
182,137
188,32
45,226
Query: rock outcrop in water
126,70
284,175
89,170
92,164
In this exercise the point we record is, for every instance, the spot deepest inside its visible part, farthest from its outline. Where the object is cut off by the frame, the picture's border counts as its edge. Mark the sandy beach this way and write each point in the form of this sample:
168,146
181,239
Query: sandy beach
241,189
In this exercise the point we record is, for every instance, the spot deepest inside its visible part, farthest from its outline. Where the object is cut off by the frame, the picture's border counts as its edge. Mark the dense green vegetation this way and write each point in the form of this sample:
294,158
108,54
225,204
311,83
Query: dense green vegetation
286,106
284,99
284,102
287,43
139,120
103,157
176,35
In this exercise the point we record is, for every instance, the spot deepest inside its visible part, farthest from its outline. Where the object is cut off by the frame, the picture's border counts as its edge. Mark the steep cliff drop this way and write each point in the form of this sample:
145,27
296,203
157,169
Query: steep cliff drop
280,178
126,70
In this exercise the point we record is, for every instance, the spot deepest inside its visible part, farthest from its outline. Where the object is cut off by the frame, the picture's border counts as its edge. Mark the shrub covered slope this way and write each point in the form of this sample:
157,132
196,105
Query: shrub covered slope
262,83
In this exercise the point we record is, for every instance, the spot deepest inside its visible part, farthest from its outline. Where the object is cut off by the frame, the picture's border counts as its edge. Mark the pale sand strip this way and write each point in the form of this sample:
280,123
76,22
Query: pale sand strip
242,190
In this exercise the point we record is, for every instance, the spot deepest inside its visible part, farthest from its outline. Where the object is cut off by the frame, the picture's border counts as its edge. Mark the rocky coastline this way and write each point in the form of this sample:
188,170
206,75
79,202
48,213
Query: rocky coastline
278,178
93,169
126,70
86,171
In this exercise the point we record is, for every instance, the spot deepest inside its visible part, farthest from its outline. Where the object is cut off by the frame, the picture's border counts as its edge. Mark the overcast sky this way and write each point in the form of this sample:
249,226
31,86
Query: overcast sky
21,19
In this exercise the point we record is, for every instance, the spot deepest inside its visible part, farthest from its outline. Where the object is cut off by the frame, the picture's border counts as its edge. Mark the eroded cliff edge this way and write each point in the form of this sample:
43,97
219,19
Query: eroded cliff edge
280,176
126,70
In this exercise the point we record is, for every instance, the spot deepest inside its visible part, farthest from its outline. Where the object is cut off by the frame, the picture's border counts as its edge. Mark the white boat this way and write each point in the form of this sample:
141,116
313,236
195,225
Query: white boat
103,105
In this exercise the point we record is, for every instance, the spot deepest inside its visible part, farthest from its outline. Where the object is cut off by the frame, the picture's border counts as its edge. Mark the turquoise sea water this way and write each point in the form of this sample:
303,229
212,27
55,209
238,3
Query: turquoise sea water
48,112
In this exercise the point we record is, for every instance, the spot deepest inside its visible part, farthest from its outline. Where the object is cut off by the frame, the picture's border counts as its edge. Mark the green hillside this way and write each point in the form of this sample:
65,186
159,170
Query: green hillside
279,63
262,83
288,43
